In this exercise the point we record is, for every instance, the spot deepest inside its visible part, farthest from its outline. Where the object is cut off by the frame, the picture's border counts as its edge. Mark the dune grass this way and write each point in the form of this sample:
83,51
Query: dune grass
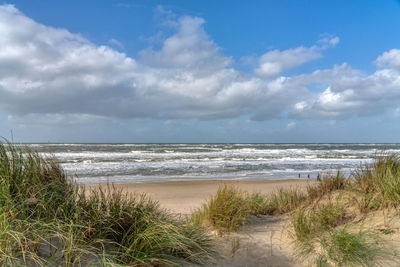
343,247
227,210
323,237
321,232
379,184
279,202
230,207
45,220
310,223
363,248
320,225
328,184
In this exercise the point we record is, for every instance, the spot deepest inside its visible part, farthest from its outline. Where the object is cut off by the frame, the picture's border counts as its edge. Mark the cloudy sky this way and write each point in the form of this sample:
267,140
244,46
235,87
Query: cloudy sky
204,71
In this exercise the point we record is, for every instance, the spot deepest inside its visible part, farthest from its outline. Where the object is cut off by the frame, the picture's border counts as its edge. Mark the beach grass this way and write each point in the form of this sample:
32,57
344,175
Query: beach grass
279,202
324,228
230,207
379,184
322,231
328,184
309,223
363,248
46,220
344,247
227,210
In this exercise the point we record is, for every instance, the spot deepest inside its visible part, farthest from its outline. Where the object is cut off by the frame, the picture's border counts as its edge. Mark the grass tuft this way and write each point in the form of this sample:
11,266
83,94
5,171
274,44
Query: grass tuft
308,224
280,202
46,220
365,248
328,184
229,208
379,184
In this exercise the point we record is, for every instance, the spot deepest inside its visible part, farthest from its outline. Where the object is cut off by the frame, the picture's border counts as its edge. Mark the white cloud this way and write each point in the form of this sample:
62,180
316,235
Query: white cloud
58,74
45,70
330,41
116,43
389,59
274,62
189,47
349,93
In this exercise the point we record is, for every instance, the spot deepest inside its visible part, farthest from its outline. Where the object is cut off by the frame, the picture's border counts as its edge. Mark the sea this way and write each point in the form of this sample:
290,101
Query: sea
119,163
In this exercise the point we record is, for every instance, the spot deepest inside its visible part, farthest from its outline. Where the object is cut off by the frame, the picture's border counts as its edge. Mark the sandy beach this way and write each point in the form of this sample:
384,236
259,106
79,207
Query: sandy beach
263,240
185,196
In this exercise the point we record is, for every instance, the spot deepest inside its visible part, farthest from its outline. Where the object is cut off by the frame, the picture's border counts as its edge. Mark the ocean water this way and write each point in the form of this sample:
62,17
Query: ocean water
101,163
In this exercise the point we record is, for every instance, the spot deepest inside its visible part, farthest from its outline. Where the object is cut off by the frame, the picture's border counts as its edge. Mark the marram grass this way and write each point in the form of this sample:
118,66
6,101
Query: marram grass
230,207
321,231
45,220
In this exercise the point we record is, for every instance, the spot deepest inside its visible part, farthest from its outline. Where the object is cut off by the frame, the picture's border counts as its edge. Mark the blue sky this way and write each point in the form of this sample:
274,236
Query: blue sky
200,71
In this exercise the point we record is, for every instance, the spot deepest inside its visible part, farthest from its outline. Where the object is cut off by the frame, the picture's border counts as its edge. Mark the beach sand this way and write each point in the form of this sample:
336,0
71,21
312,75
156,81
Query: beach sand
185,196
264,240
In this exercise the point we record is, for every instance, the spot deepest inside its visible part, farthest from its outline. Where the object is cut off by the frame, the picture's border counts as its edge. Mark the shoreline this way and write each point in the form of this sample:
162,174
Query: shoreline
183,197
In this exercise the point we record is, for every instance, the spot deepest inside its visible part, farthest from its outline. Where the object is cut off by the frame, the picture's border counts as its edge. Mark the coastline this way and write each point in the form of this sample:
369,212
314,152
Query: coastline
182,197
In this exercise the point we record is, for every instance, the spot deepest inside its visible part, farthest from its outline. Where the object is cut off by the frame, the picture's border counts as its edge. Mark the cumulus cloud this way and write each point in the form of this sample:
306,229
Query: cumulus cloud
51,73
189,47
389,59
274,62
349,93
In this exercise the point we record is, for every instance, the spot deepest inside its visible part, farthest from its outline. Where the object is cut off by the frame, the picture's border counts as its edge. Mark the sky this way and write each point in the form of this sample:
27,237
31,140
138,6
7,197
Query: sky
200,71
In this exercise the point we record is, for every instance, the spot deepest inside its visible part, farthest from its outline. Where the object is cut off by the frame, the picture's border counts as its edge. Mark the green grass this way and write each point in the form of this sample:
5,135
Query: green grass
302,225
363,248
317,228
45,219
341,247
310,223
229,208
280,202
328,184
379,184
